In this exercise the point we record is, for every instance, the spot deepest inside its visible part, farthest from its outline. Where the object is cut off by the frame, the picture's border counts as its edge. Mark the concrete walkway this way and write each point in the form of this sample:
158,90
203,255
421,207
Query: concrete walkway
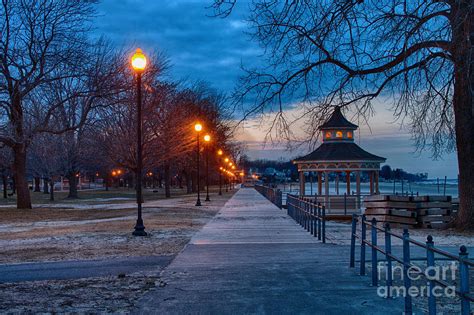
253,258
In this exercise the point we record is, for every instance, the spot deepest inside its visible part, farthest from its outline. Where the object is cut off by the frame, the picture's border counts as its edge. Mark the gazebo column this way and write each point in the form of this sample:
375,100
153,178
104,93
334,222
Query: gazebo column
371,177
320,183
311,182
326,183
377,191
348,182
358,188
337,183
326,188
301,183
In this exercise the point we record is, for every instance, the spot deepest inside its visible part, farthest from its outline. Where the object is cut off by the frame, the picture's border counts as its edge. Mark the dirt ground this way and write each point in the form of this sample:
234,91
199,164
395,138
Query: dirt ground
75,231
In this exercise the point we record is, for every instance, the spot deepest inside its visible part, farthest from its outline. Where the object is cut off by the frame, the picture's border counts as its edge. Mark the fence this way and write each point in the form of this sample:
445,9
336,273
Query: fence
343,204
308,214
272,194
406,261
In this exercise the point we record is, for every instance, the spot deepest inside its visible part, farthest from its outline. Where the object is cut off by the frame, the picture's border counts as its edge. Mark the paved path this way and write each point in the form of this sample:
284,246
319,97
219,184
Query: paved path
80,269
252,258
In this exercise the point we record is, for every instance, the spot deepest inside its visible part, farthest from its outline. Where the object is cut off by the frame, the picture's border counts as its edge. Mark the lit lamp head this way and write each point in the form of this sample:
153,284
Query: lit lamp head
198,127
233,167
221,168
230,163
138,61
220,152
207,138
226,160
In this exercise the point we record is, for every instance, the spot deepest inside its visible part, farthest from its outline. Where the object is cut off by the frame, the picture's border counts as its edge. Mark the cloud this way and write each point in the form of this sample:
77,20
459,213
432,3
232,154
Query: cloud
200,47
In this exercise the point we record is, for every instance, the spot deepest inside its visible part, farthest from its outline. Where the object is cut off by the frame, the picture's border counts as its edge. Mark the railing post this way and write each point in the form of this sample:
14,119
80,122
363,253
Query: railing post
280,199
315,221
323,218
464,287
300,212
353,238
308,217
319,221
311,222
374,251
406,266
362,246
430,261
388,252
345,203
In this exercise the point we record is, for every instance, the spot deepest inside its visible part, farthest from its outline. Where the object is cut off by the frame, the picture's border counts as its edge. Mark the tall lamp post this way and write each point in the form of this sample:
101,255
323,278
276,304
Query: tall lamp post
139,65
226,160
230,178
207,139
198,128
220,153
220,180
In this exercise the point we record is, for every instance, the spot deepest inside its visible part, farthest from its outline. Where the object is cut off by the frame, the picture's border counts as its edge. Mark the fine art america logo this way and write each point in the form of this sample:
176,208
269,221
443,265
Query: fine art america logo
421,278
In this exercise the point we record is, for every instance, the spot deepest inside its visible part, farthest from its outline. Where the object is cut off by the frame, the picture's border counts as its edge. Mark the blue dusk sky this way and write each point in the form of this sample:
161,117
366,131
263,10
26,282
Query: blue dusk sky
202,48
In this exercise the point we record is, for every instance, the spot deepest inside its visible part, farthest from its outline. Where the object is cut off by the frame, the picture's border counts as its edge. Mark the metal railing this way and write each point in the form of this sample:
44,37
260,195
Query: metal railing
272,194
309,215
463,292
343,204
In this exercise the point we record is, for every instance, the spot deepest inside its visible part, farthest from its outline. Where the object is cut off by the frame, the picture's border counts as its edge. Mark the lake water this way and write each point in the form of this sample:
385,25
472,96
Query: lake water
428,187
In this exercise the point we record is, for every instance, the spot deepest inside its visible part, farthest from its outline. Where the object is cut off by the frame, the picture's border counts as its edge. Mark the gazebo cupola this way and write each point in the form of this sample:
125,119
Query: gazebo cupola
337,128
339,154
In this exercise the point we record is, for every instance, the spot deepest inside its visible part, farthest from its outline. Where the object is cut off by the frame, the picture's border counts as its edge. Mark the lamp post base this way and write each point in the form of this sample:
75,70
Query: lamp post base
208,199
139,230
198,203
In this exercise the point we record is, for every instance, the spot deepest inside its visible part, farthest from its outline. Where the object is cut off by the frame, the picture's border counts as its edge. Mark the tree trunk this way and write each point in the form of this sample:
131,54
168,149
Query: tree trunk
21,182
463,51
37,184
5,186
189,182
51,190
45,186
167,180
72,186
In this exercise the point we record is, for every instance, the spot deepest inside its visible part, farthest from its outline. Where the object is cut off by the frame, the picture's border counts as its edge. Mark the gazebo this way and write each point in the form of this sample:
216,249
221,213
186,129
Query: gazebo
339,154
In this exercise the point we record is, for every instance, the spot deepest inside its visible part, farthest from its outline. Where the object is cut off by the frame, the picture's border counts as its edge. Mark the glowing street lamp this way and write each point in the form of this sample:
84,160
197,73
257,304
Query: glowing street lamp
139,61
198,129
220,152
207,139
139,64
226,160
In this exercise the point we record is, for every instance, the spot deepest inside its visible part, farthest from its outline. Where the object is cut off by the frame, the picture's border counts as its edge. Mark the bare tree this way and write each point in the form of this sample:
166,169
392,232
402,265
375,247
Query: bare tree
45,159
5,168
325,53
42,43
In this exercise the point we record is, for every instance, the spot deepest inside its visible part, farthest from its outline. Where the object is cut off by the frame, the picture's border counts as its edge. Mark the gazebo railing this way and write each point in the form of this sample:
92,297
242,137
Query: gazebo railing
272,194
310,215
409,269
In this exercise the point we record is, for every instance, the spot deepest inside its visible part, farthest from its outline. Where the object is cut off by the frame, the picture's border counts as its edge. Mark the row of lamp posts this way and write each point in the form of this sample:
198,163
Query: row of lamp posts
207,139
139,63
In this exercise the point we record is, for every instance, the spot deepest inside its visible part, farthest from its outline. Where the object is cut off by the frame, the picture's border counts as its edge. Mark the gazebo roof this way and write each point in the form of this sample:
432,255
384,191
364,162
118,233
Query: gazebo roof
337,120
343,151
